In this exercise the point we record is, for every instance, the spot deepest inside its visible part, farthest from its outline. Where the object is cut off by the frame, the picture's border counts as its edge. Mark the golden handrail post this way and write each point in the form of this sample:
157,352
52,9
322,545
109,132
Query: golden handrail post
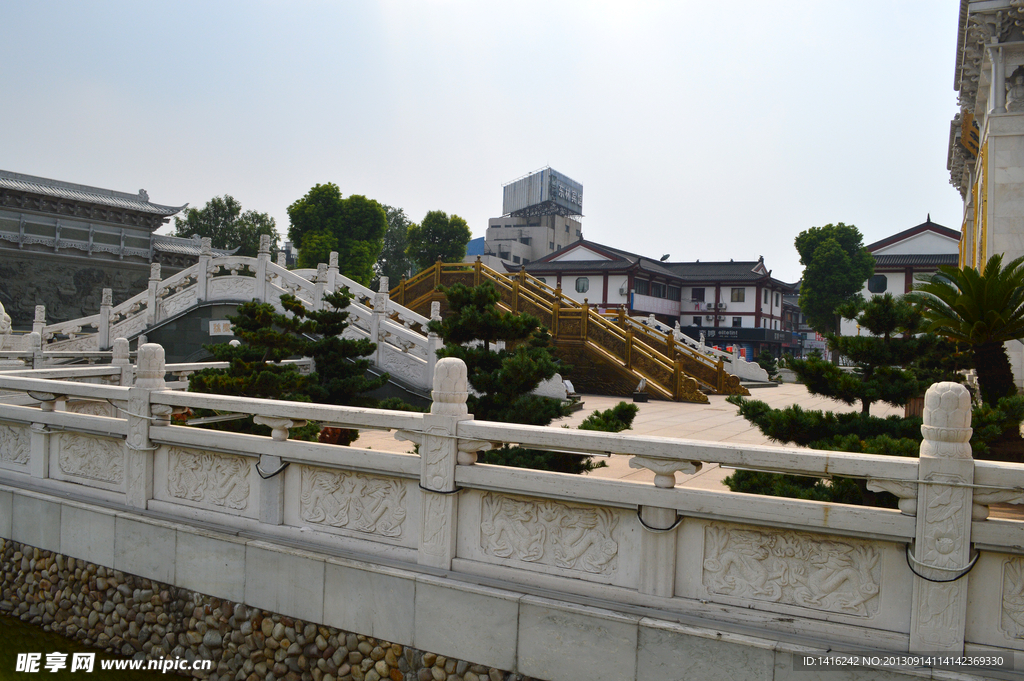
629,348
677,380
437,272
583,319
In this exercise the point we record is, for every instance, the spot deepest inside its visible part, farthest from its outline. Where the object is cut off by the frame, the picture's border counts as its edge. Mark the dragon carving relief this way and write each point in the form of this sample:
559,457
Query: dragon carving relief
91,457
549,533
792,568
14,445
218,479
353,501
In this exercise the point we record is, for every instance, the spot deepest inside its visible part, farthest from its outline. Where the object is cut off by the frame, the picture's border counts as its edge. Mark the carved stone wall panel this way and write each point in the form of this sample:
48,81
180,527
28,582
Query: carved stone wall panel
14,446
129,327
542,532
208,478
91,408
792,568
93,458
368,504
178,302
1012,616
404,366
230,288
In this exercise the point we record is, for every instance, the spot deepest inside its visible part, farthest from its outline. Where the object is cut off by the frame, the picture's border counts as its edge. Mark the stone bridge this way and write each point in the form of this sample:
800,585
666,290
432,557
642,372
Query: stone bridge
236,547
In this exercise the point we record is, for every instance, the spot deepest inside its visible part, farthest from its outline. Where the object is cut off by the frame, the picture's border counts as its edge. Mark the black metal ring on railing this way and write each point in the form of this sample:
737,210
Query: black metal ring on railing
437,491
268,477
911,561
658,530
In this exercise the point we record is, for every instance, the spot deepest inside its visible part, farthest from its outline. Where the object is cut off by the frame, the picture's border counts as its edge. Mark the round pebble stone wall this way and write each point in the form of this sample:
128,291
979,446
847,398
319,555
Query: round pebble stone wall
142,619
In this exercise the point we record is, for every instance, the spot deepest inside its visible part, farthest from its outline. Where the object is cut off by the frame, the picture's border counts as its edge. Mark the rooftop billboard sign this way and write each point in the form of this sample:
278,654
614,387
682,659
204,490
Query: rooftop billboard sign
545,192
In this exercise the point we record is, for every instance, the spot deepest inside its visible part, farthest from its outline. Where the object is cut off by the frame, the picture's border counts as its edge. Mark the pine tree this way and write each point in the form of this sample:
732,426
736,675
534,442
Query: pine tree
892,365
269,337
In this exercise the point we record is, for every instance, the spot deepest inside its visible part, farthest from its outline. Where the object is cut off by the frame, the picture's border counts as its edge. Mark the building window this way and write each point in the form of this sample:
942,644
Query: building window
776,300
516,259
567,229
551,245
642,286
675,293
524,240
697,295
696,321
878,283
658,290
766,296
739,295
582,284
737,321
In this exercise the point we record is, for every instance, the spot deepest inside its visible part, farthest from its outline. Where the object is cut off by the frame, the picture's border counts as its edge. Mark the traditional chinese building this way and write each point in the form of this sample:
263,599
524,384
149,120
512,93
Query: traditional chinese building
61,244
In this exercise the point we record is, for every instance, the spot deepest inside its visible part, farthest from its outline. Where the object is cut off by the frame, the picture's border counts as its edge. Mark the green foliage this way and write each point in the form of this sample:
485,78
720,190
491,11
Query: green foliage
393,262
997,429
223,221
322,221
836,265
614,420
767,361
835,490
269,337
981,309
438,236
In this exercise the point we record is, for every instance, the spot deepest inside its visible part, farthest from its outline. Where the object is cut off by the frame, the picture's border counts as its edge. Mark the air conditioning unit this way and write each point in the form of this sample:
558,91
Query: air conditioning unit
721,317
710,317
709,306
623,290
721,306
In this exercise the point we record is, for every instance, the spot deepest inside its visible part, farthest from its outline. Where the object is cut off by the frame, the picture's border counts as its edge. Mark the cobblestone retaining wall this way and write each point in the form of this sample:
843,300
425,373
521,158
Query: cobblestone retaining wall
143,619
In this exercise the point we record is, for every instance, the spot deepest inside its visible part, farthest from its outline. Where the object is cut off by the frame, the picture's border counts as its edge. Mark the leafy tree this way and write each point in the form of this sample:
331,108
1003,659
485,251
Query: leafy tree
322,221
223,221
438,236
268,337
393,262
836,265
982,310
767,361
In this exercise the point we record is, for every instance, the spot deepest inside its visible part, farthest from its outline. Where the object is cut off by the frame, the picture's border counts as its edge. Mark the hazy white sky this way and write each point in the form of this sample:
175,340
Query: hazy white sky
704,130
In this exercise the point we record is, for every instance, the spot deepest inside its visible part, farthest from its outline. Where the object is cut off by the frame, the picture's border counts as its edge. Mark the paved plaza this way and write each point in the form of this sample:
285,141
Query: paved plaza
714,422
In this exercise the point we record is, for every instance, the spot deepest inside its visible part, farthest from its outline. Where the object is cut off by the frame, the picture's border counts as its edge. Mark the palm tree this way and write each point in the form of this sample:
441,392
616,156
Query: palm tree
980,309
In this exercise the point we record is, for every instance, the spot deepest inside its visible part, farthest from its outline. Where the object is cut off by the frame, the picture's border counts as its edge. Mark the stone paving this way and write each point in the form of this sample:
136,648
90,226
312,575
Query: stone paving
714,422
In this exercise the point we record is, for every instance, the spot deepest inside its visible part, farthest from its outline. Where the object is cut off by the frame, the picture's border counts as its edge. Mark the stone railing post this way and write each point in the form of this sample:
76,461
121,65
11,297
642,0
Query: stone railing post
439,454
321,285
151,299
262,260
39,322
39,438
658,542
941,553
332,271
121,359
34,344
203,269
269,468
377,317
103,329
140,413
434,343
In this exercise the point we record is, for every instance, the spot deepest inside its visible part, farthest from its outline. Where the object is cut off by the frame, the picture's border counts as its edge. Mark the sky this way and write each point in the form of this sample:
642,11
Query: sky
707,131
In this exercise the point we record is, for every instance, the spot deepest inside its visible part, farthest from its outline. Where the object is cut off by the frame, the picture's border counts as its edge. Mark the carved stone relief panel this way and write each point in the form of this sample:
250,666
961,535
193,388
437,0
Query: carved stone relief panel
561,535
792,568
95,458
231,288
91,408
208,477
353,501
14,444
1012,621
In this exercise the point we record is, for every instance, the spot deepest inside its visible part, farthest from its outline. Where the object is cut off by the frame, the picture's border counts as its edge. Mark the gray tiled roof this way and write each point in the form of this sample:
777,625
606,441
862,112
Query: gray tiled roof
925,259
176,244
80,192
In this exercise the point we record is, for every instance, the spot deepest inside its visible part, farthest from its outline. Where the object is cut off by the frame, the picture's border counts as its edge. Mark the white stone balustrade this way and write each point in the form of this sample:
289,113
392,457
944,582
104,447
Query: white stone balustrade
760,569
